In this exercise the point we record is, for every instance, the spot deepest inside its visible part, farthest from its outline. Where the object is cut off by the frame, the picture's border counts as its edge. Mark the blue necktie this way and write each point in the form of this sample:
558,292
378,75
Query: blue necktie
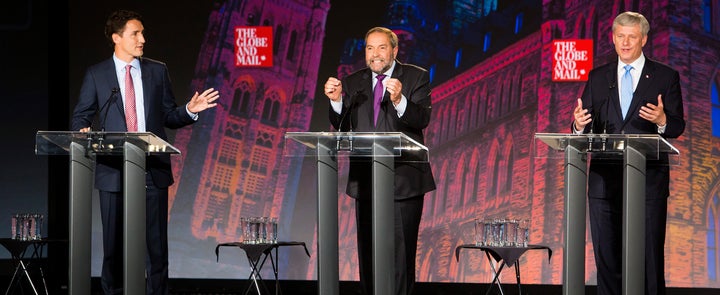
626,93
378,96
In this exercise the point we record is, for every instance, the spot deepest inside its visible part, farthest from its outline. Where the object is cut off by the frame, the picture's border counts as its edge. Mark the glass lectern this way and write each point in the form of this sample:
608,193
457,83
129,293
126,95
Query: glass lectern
82,147
382,149
634,150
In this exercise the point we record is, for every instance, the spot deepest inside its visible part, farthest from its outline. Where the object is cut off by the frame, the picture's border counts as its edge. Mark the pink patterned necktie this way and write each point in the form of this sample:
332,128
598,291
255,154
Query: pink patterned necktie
378,95
130,113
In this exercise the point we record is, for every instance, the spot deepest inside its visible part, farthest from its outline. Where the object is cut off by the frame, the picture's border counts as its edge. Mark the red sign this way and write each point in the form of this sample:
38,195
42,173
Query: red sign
253,47
572,59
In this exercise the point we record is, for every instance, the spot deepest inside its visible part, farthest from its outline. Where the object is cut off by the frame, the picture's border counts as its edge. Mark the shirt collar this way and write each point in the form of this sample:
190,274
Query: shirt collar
637,64
120,65
387,73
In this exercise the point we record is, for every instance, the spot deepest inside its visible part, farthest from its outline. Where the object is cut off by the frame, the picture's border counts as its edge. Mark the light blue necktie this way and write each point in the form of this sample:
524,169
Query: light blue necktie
626,93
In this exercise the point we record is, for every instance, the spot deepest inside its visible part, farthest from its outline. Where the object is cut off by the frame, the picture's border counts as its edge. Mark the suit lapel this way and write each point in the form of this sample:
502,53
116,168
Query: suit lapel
111,79
397,74
614,109
646,79
367,107
146,78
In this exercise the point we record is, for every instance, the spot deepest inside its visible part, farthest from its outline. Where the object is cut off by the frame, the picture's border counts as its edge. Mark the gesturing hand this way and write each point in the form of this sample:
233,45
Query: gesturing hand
654,113
203,101
581,116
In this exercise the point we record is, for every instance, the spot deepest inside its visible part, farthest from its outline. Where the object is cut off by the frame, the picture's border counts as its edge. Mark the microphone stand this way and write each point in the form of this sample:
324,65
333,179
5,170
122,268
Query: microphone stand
106,106
342,120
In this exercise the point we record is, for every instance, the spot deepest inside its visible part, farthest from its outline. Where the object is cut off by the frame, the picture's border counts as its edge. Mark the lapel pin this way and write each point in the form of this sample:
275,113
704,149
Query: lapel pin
647,76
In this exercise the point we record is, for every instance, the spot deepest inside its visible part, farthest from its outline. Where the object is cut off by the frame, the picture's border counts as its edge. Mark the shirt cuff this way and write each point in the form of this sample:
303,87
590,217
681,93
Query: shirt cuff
575,131
192,115
661,129
336,106
400,107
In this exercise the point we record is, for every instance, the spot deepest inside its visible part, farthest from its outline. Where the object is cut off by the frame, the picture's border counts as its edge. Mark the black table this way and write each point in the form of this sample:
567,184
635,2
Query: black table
504,256
257,254
20,252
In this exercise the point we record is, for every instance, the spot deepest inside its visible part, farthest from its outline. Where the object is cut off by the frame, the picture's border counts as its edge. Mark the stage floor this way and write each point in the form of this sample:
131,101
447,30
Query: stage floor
292,287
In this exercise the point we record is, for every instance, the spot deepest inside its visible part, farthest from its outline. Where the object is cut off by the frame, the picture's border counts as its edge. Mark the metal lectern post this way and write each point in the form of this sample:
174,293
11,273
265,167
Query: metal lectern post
575,202
82,169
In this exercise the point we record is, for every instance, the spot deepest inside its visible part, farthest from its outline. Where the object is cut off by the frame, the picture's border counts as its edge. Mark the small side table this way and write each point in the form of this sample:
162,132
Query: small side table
19,251
504,256
257,254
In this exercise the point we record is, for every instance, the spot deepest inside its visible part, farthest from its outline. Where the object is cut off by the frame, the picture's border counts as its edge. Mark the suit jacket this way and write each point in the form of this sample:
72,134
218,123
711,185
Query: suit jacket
601,98
412,177
161,111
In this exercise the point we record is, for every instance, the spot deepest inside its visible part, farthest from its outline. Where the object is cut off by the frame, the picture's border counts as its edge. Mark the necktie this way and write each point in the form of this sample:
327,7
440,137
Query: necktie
626,91
378,95
130,113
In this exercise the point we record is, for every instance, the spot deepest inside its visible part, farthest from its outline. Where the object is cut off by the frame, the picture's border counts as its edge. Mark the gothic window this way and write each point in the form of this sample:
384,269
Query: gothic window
519,22
477,177
502,170
507,182
715,102
486,42
291,46
582,33
271,108
493,188
711,16
713,238
490,6
458,57
277,39
594,31
229,150
432,72
240,102
234,130
517,94
251,20
556,32
447,191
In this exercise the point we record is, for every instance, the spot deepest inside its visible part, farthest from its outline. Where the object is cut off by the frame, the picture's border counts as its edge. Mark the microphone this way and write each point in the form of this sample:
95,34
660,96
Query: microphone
347,144
603,109
349,110
591,134
100,146
105,106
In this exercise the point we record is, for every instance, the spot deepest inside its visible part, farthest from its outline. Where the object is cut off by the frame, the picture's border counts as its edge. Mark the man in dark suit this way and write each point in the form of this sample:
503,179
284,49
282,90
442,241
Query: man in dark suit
137,97
654,107
404,106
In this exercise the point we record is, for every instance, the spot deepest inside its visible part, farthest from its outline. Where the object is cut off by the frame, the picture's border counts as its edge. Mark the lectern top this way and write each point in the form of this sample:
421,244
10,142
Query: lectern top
652,145
105,143
360,144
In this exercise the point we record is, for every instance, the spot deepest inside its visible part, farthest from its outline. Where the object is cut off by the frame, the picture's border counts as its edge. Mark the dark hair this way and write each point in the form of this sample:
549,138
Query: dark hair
116,23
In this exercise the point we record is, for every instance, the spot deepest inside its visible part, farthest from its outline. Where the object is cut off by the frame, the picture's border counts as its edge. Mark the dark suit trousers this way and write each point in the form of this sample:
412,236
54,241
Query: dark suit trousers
407,225
156,260
606,230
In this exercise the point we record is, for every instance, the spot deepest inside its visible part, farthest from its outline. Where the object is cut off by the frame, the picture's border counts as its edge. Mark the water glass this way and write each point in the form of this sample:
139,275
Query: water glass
245,227
495,232
523,233
14,225
511,227
271,227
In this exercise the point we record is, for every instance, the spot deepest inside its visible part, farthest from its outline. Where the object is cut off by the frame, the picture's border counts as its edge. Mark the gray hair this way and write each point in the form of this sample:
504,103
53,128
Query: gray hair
390,34
629,18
